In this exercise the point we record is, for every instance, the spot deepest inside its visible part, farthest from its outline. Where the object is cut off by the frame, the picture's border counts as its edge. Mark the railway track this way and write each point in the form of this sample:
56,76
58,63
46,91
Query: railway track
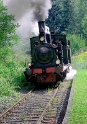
42,106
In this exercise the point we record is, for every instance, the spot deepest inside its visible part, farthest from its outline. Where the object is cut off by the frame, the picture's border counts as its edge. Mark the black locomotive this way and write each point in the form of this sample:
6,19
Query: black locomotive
50,57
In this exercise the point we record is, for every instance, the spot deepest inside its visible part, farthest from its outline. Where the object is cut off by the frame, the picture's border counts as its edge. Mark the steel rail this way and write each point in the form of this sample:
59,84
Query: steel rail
39,120
14,106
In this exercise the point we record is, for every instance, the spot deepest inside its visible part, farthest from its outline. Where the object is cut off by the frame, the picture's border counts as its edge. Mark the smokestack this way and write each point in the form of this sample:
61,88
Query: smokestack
41,25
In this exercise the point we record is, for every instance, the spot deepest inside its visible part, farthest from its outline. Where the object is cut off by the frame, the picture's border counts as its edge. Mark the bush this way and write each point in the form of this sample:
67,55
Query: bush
77,44
11,72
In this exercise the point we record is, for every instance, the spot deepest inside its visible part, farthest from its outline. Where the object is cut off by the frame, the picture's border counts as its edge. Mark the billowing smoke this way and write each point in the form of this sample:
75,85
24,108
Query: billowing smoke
40,8
71,74
27,13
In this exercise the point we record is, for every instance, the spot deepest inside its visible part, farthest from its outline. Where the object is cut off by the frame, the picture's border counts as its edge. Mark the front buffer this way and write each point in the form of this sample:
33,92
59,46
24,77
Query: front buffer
49,75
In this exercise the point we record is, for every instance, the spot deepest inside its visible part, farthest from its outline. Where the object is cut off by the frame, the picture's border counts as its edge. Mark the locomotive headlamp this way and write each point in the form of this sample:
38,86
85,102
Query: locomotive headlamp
29,64
42,39
57,61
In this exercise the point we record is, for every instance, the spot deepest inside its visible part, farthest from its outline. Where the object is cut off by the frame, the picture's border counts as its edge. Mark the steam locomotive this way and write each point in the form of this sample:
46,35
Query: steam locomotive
50,57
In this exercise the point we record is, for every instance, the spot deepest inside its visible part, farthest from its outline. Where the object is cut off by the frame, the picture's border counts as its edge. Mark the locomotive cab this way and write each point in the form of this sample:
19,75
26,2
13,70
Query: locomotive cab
62,45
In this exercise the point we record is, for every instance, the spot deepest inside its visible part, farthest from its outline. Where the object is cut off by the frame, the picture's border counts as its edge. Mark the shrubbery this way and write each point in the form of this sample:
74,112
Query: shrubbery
77,43
11,69
11,72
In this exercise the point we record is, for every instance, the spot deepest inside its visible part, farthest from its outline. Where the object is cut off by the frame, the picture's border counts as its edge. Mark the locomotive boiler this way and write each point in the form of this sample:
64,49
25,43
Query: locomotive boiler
50,57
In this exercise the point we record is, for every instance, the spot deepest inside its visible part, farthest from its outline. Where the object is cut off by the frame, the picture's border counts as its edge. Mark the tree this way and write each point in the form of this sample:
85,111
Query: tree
7,27
84,24
61,16
67,16
54,17
84,27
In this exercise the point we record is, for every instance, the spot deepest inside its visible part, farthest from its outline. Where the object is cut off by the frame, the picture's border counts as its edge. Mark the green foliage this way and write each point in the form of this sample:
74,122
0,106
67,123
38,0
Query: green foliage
82,11
77,43
61,16
7,27
11,72
68,17
84,26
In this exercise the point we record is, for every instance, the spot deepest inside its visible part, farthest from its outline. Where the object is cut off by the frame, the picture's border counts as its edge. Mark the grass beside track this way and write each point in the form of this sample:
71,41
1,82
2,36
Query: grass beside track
78,113
12,76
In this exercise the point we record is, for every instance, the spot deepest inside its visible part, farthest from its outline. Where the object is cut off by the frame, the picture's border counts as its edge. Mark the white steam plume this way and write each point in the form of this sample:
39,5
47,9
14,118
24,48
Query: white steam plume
71,74
27,12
